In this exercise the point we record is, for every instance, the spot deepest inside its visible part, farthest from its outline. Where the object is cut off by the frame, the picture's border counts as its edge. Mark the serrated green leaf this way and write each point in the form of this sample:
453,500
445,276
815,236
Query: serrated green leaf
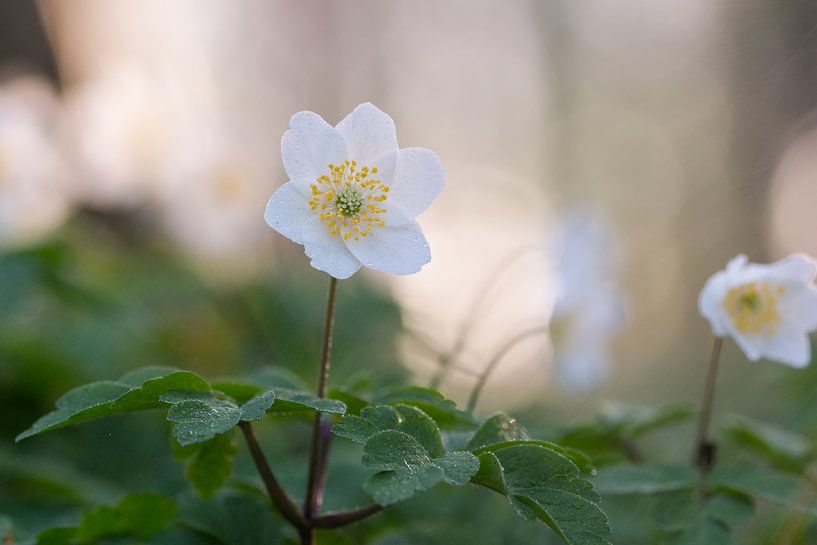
256,408
575,456
490,474
765,484
404,418
141,515
392,449
108,398
199,420
293,401
407,467
644,479
443,411
497,429
212,464
541,483
786,450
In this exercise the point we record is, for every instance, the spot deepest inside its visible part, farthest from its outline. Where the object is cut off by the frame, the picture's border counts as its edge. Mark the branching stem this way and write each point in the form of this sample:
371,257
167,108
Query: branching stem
285,505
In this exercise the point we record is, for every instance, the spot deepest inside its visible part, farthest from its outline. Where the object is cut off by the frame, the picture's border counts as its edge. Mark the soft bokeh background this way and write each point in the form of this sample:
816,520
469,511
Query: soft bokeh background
603,158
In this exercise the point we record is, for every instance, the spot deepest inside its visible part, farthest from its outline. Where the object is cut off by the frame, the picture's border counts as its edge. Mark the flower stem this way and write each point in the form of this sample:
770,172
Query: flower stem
320,439
285,505
704,456
497,358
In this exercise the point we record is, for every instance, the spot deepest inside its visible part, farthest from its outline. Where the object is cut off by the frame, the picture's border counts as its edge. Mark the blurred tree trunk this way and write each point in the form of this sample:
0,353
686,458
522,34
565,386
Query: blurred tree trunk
773,61
23,42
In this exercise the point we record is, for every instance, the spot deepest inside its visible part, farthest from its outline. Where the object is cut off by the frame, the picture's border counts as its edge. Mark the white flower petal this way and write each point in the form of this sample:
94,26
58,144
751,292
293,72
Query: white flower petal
400,249
287,212
368,132
308,147
752,346
327,253
710,303
418,179
789,346
796,267
801,306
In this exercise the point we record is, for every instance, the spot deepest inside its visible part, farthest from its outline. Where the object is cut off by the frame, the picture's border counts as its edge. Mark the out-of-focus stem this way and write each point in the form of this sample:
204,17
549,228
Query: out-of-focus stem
497,358
447,359
704,455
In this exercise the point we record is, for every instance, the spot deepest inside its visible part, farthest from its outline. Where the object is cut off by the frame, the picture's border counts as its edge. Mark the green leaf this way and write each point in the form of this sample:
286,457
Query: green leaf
257,402
404,418
233,517
293,401
256,408
354,403
443,411
765,484
786,450
644,479
541,483
199,420
729,508
497,429
407,467
632,422
141,515
701,530
109,398
575,456
58,536
212,464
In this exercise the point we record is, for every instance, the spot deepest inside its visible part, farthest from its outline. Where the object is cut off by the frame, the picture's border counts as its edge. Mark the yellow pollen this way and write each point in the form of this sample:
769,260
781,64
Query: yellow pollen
752,307
344,199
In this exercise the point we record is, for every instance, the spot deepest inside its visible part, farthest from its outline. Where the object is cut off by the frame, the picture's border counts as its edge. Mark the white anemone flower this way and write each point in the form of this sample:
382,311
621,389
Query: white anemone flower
352,195
590,309
767,309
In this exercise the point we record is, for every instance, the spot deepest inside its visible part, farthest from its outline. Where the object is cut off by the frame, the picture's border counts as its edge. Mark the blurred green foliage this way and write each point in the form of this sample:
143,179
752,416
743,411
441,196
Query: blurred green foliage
107,297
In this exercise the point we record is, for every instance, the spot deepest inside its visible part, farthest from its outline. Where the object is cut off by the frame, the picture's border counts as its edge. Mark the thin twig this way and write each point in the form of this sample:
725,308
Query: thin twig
287,507
342,518
447,358
314,487
497,358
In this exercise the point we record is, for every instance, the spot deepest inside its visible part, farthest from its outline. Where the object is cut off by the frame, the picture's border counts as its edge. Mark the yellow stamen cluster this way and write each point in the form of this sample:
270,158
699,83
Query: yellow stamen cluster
753,307
350,200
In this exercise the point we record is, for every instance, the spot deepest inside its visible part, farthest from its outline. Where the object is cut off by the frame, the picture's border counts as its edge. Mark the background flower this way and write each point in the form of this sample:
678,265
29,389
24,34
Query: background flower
767,309
589,308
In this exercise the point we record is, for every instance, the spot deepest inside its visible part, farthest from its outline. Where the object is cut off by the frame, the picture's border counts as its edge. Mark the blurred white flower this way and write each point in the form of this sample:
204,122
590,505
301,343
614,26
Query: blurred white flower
590,305
123,127
35,195
767,309
211,194
353,195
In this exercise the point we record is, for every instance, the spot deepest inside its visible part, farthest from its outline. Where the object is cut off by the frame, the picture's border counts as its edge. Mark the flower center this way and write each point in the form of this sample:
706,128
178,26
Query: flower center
350,200
753,307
